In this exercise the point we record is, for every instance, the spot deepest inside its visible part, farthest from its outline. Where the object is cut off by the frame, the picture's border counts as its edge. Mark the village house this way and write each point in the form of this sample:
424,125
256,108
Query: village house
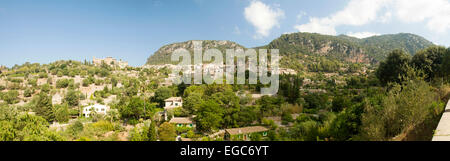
182,122
172,103
244,133
97,108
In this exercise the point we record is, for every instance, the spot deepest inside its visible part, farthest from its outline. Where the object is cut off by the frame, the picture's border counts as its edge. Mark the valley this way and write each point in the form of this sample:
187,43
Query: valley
332,88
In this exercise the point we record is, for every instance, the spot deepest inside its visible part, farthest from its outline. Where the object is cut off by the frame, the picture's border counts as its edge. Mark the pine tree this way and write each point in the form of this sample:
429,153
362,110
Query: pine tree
44,107
151,134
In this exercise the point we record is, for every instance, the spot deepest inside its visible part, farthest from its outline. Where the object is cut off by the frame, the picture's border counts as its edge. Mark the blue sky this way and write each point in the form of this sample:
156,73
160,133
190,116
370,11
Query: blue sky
48,30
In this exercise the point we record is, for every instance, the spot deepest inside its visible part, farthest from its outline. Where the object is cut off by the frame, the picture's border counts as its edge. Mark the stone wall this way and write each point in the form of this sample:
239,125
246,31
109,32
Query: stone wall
442,132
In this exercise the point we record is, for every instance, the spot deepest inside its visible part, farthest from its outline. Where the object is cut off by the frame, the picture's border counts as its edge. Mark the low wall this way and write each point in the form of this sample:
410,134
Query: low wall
442,132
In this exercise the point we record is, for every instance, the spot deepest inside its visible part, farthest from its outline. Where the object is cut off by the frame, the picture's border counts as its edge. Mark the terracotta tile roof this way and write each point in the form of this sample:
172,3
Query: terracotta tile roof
181,120
186,139
246,130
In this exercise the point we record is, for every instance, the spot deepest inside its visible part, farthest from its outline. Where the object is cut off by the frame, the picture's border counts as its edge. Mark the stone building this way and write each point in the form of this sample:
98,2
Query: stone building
109,61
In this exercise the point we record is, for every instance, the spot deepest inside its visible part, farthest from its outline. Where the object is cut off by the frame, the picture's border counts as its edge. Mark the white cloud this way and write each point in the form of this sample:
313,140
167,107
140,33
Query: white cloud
263,17
356,13
435,14
317,25
386,17
362,35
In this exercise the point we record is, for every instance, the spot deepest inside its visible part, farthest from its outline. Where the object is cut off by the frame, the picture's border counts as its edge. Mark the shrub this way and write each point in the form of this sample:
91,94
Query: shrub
406,107
103,125
11,97
27,93
62,83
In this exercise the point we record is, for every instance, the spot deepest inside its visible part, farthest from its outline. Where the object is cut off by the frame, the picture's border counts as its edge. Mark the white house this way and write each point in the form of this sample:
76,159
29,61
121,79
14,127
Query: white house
172,103
99,109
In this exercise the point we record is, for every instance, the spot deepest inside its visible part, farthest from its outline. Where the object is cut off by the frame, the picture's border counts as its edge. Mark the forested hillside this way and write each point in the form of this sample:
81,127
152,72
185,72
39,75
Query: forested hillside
162,56
368,50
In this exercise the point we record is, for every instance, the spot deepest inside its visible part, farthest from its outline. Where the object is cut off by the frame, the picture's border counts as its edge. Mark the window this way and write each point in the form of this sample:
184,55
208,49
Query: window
265,133
103,109
190,125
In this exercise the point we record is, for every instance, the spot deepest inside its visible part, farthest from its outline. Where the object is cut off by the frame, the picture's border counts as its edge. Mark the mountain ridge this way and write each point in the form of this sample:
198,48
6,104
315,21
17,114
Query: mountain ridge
343,47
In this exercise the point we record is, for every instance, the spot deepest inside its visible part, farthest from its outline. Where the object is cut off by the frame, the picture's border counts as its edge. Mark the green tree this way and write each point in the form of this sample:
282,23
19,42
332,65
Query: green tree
72,98
75,128
305,131
61,113
167,132
339,103
24,127
209,116
133,109
446,65
162,94
392,69
430,61
44,107
11,97
151,134
347,123
192,102
316,101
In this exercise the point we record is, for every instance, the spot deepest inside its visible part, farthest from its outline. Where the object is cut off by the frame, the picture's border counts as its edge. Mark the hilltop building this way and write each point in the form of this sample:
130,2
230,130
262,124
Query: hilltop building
109,61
